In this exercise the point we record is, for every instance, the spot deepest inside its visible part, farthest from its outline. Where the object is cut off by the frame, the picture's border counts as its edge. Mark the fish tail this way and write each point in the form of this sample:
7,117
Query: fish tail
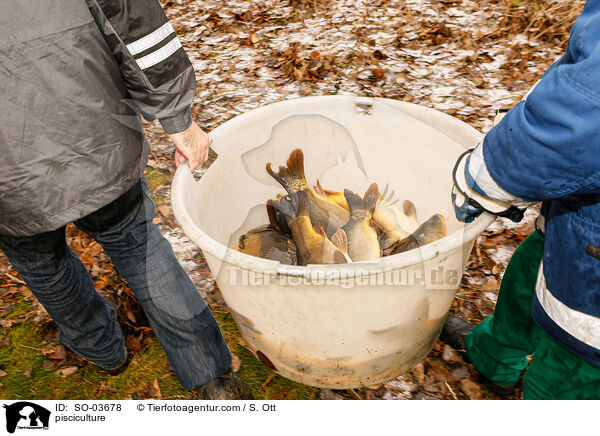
291,177
356,203
371,197
295,164
409,209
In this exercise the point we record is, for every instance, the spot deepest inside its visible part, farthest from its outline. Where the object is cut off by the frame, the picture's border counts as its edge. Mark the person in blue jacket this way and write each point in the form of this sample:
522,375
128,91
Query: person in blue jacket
547,148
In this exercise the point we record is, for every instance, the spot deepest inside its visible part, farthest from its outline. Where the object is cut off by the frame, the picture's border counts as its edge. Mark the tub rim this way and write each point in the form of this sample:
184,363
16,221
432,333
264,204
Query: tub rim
233,257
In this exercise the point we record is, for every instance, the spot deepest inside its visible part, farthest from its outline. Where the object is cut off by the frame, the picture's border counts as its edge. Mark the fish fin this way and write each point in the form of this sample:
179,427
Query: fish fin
329,192
438,226
339,257
301,199
355,202
320,230
286,206
295,164
376,226
340,240
325,192
283,210
319,189
291,177
371,197
387,242
272,215
277,176
409,209
366,203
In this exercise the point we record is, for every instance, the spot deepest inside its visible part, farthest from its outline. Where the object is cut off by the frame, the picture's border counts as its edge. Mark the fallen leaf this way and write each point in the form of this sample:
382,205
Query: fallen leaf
491,285
64,372
235,363
164,210
6,323
3,373
59,353
378,74
133,343
450,354
155,390
131,316
460,372
328,394
27,372
419,373
472,389
254,38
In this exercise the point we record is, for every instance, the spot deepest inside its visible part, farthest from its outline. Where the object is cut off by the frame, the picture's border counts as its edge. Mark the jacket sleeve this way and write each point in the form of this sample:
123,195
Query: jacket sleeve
547,146
158,74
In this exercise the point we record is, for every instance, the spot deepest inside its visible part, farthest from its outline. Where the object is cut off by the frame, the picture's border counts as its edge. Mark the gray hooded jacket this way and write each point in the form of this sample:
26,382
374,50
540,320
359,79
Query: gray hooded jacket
74,77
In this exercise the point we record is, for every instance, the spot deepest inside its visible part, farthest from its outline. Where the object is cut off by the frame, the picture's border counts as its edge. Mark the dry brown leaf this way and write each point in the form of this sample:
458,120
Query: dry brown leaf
419,372
156,390
254,38
450,354
378,74
59,353
235,363
491,285
64,372
164,210
131,316
472,389
3,373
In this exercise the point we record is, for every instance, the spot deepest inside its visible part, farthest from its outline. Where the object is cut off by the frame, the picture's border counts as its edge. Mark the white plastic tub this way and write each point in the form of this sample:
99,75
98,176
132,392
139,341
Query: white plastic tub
335,326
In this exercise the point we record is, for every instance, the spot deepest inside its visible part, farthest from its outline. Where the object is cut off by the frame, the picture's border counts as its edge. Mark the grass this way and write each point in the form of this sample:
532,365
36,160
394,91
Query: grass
23,354
157,178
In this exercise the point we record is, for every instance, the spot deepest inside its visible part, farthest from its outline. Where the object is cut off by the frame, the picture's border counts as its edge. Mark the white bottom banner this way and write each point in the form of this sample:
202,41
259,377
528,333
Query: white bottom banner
241,418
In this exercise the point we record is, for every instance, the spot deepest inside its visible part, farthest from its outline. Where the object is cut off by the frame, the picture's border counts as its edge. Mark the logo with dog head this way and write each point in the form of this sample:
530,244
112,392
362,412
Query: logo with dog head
26,415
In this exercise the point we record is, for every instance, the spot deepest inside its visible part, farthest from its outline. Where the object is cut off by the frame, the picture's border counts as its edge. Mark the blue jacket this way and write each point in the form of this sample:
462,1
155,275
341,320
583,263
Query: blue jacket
547,148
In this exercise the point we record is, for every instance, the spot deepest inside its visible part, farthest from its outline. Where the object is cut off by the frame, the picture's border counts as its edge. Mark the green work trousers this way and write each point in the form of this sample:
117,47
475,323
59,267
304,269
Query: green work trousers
500,345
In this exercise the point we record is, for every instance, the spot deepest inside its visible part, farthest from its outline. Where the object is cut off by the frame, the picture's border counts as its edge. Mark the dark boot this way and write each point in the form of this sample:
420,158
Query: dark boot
122,366
454,332
226,387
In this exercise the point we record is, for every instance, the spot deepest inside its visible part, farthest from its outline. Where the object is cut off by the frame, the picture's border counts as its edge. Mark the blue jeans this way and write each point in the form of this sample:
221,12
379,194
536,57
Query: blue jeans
87,323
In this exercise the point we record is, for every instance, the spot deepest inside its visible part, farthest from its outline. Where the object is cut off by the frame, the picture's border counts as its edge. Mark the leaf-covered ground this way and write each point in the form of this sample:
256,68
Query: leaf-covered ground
462,57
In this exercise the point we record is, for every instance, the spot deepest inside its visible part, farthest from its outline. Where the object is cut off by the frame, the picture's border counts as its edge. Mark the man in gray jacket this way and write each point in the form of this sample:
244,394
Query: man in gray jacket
74,77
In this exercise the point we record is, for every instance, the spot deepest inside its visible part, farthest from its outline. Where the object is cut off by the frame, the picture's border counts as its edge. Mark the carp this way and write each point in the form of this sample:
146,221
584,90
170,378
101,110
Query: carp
322,210
313,245
269,243
363,243
431,230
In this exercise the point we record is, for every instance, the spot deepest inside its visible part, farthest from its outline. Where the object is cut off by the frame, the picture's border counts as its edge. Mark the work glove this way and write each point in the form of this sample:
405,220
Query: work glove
469,204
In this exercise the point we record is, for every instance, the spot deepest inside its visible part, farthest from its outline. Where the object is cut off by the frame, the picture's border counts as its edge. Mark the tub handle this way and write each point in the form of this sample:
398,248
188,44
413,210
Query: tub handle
197,175
364,105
